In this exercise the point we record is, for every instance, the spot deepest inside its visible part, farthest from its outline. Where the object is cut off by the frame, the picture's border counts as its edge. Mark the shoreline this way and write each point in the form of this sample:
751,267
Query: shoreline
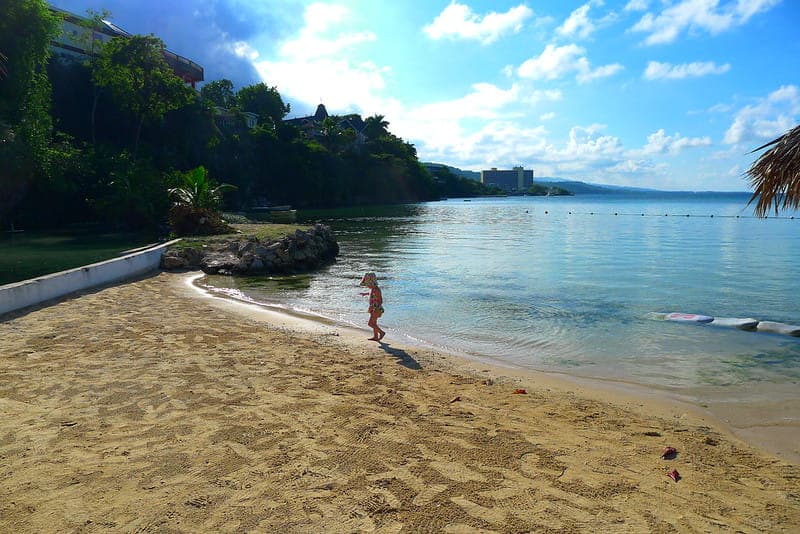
780,440
147,407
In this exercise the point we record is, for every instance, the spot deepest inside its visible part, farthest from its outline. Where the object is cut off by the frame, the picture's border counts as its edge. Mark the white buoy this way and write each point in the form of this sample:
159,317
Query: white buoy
734,322
688,318
779,328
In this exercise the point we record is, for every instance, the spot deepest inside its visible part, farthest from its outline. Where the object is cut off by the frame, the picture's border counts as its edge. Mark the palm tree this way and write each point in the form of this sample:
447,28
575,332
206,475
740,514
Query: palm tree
375,126
3,70
775,176
198,190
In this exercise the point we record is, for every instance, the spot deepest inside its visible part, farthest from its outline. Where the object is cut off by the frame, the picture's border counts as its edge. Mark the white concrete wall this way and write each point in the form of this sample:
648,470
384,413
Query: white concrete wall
30,292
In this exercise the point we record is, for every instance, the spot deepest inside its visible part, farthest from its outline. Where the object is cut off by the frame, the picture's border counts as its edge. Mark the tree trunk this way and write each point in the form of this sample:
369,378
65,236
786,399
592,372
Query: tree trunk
138,133
94,110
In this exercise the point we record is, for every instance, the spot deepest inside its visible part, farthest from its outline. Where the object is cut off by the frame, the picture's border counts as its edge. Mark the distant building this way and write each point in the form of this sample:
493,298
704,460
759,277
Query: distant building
232,119
516,180
78,40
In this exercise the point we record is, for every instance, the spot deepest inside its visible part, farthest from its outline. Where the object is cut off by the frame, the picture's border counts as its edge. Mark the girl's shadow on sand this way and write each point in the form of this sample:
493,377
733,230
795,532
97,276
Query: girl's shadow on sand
403,358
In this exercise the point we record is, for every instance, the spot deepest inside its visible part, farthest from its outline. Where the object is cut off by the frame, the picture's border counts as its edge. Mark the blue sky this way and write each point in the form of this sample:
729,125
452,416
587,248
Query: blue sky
670,94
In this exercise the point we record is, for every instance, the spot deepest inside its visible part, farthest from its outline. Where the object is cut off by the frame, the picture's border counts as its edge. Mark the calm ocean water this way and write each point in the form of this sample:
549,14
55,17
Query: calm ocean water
570,284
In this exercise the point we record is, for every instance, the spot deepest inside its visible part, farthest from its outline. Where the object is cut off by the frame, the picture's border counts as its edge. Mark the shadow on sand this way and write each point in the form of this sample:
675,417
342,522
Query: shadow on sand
403,358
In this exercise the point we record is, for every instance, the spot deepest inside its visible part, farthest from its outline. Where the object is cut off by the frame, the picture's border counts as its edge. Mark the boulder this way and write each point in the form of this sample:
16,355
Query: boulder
301,251
219,262
172,259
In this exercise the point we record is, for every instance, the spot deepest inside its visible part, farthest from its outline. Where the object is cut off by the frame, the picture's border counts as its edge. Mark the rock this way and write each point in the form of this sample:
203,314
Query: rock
193,256
172,260
256,267
301,251
219,262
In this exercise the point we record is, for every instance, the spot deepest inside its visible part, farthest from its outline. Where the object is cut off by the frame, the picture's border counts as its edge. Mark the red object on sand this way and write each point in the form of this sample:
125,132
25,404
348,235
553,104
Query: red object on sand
674,475
520,392
669,453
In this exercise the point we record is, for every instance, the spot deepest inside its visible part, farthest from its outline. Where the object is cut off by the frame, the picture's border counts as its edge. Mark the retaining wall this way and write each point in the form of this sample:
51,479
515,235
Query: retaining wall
37,290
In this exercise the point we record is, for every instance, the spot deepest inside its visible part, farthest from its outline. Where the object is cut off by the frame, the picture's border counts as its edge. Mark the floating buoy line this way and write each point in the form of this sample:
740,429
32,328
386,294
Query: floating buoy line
684,215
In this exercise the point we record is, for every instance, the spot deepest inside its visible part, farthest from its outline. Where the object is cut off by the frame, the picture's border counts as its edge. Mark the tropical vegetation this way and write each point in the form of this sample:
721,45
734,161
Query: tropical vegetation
112,139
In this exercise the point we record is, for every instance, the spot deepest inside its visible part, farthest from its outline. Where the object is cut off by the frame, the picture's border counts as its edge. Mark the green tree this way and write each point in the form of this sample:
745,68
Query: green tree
94,46
375,127
26,28
219,93
140,80
265,101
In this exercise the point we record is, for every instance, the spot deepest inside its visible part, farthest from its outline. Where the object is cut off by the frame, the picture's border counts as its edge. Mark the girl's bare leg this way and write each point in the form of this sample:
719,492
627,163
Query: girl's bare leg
373,323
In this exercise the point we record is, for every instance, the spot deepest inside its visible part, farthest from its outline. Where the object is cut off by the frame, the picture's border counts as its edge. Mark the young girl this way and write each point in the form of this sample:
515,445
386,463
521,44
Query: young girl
375,305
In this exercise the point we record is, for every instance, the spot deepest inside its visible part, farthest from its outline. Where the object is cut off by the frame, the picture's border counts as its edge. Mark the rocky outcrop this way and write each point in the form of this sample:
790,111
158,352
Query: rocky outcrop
302,251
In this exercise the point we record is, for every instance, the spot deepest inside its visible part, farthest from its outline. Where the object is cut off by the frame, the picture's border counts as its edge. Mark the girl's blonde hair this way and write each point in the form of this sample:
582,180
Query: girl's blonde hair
369,280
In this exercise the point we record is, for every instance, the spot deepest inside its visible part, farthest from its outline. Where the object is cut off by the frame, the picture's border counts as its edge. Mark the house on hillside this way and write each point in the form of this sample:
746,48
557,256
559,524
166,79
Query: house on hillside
233,119
79,40
311,126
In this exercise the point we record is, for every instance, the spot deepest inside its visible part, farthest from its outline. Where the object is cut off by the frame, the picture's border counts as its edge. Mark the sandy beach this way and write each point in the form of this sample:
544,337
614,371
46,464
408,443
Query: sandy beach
147,407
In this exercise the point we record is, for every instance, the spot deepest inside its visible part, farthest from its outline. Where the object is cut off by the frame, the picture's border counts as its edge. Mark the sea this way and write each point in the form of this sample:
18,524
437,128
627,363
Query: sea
573,285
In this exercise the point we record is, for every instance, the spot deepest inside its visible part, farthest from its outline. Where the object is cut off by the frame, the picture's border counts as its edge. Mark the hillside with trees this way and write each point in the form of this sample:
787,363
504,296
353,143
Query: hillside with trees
105,138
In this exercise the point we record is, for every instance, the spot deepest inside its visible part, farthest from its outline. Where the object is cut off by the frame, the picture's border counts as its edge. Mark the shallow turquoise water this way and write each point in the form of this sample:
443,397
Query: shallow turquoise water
569,284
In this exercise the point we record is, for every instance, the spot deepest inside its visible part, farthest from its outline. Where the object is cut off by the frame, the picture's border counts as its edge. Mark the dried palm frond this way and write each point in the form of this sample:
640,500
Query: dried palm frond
775,175
3,70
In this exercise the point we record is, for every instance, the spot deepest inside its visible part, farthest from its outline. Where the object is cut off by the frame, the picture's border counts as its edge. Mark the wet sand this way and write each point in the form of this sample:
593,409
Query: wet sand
146,407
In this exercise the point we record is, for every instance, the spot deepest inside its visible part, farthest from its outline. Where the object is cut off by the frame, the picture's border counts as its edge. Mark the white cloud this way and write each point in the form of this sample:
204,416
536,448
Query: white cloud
314,64
698,15
720,108
661,71
661,143
538,95
767,118
599,72
636,5
314,39
558,61
243,49
578,23
547,116
585,142
438,127
632,166
457,21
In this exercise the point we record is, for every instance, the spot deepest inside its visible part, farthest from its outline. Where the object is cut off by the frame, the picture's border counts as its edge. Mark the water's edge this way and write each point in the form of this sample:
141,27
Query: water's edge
761,426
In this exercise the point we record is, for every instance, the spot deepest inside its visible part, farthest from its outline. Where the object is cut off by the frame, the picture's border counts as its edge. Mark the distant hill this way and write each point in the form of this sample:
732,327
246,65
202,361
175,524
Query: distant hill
471,175
583,188
575,186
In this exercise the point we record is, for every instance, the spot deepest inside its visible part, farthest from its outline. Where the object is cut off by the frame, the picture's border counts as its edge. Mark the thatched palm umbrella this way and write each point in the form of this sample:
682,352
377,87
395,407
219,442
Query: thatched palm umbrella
775,176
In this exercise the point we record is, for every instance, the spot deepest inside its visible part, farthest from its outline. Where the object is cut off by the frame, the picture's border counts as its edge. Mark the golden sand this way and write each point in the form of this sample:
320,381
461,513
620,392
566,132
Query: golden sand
145,407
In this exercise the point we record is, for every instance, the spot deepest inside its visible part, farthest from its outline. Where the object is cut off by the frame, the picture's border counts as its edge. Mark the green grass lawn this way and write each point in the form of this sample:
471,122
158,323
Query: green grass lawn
27,255
263,231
